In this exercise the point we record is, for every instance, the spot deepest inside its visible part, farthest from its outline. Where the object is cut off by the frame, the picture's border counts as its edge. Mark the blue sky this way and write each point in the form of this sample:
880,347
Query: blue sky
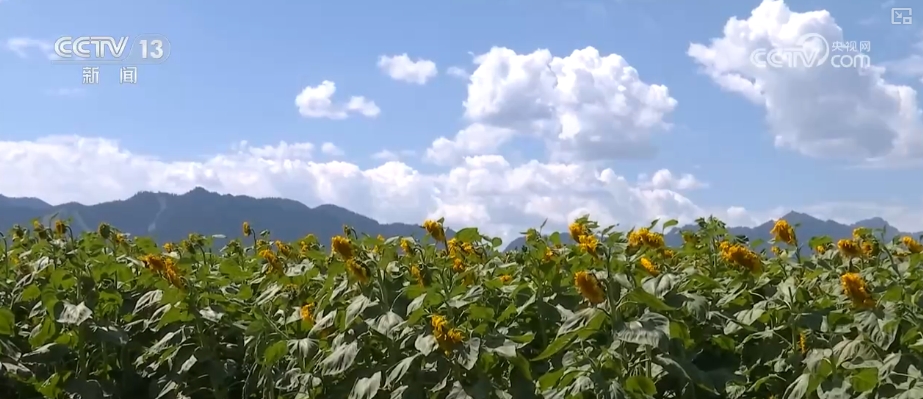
236,68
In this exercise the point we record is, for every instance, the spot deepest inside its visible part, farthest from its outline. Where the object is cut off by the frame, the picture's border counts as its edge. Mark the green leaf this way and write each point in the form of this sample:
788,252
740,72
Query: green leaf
652,329
396,393
574,322
555,238
149,298
386,323
110,334
469,234
749,316
649,299
640,336
479,312
356,306
496,242
366,388
888,365
849,349
341,359
15,368
416,304
458,392
324,322
190,361
865,380
399,370
75,314
85,389
7,321
210,314
799,388
522,339
426,344
507,349
559,343
522,364
47,354
269,294
469,357
275,352
615,391
640,384
679,367
550,379
302,347
44,333
661,285
670,223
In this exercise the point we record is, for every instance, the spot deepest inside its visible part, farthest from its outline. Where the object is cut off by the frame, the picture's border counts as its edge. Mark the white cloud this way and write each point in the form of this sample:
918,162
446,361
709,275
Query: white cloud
826,112
388,155
402,68
457,72
911,66
486,191
585,106
316,102
664,179
331,149
476,139
23,45
385,155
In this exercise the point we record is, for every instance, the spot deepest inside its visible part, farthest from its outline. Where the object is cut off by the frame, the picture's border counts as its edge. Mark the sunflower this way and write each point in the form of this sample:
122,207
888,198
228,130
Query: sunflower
589,287
342,246
650,267
434,229
783,232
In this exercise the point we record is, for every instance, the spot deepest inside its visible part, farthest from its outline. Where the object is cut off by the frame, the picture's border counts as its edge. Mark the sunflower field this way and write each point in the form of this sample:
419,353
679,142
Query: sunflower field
615,315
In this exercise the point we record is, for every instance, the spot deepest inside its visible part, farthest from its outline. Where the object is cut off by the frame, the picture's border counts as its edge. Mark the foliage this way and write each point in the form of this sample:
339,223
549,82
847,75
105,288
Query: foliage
615,315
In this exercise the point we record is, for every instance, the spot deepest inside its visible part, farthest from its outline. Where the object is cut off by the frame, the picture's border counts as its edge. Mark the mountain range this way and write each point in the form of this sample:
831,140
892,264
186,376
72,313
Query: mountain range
171,217
806,225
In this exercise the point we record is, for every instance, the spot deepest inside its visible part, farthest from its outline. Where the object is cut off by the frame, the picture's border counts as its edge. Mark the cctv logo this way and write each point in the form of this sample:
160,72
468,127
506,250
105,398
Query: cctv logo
102,49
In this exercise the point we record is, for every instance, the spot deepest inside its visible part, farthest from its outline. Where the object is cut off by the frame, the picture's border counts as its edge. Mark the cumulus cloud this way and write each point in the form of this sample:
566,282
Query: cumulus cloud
476,139
820,111
332,150
317,102
911,66
457,72
664,179
22,46
585,106
385,155
402,68
487,191
388,155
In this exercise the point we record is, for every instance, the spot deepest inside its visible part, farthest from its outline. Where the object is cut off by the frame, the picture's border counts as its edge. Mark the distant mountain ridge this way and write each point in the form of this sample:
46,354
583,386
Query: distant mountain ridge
171,217
27,202
807,226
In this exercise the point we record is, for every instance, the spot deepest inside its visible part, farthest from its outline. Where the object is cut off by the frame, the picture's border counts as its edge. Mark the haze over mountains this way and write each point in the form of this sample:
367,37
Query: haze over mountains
171,217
